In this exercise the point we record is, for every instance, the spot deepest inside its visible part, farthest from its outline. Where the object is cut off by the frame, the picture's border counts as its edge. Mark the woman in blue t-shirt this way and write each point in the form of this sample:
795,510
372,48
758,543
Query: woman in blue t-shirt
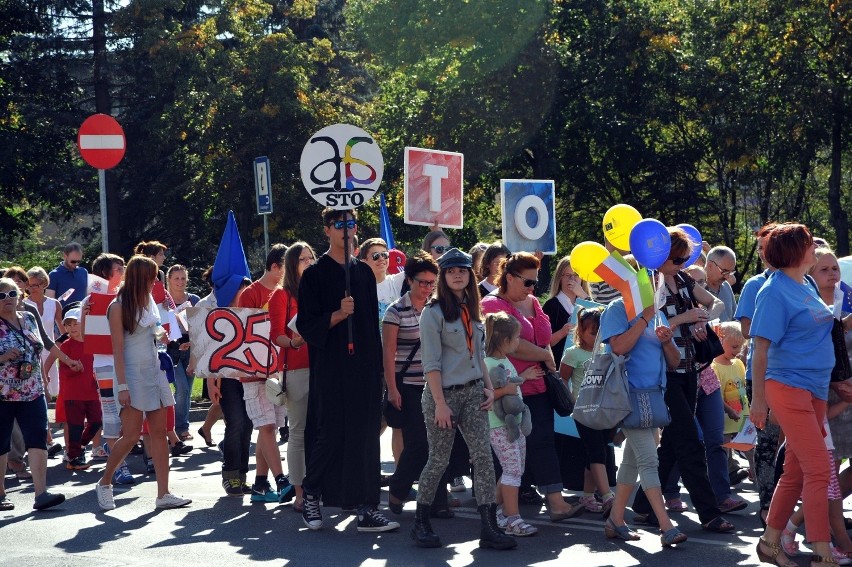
791,369
649,343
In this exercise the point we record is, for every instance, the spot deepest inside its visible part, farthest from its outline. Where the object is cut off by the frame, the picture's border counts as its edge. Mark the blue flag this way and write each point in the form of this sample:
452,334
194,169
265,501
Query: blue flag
384,223
231,266
847,297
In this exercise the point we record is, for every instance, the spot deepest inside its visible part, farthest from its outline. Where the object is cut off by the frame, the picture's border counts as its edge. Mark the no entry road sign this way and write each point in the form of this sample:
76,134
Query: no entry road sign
101,141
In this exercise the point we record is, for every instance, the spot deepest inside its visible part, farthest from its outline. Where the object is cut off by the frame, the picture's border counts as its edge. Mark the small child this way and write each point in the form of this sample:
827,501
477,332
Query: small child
79,393
594,441
502,335
731,372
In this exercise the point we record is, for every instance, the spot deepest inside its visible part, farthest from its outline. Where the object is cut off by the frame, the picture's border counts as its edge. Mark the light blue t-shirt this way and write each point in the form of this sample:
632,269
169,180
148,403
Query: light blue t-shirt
793,317
646,365
745,308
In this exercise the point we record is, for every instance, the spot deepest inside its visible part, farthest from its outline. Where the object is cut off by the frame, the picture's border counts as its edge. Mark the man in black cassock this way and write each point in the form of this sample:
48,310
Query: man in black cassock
343,465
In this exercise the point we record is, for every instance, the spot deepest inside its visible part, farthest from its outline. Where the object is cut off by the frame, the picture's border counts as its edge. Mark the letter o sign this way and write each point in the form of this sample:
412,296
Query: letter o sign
525,204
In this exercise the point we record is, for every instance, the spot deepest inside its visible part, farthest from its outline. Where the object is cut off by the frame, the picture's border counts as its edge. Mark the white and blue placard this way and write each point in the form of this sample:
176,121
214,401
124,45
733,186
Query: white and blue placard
263,185
529,215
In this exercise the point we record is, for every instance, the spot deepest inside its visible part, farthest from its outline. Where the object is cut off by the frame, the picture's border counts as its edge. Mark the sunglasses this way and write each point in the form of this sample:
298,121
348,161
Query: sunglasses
526,282
428,284
376,255
75,262
11,293
440,249
350,224
679,261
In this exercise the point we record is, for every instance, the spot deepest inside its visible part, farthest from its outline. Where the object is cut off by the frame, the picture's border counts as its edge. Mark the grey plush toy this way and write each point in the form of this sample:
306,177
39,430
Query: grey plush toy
510,408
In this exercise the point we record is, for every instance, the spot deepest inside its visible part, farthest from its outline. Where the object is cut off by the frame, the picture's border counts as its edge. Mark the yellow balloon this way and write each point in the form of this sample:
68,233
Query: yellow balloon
618,221
587,256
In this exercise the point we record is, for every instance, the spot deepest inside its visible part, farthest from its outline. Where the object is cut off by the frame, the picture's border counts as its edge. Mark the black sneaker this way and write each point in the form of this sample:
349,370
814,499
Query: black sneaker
232,486
77,464
312,515
371,520
180,448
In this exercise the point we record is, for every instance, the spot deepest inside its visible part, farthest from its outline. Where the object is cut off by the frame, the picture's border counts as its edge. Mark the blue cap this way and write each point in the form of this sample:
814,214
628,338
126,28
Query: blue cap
455,258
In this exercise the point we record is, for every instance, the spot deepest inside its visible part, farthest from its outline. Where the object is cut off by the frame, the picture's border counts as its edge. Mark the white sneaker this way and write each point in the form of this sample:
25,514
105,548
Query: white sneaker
105,500
169,500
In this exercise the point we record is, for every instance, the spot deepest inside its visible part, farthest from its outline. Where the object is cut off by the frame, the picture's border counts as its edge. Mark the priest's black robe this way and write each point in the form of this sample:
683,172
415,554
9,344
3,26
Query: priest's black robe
344,407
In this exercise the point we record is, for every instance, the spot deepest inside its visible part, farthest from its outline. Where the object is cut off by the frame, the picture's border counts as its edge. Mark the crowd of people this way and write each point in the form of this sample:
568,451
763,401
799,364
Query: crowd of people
452,353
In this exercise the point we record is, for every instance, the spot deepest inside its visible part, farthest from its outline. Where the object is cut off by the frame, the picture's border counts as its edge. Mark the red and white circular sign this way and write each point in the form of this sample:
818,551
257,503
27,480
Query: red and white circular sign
101,141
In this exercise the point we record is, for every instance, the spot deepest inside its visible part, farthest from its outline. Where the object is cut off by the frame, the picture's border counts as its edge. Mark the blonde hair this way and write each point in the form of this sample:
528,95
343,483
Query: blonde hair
730,330
38,273
499,328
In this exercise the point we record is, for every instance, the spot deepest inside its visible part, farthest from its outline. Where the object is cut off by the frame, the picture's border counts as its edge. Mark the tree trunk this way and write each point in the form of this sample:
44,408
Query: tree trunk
103,105
838,217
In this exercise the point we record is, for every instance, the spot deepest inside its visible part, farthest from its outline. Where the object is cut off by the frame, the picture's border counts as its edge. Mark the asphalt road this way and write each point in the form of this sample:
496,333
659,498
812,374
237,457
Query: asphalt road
219,530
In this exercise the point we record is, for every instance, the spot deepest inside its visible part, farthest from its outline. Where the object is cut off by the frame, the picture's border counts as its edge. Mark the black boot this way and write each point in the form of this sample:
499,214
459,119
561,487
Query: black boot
422,533
490,534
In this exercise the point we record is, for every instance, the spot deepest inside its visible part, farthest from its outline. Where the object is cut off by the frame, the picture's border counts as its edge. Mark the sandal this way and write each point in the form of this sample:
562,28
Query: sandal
619,532
186,436
519,528
776,555
732,505
826,560
719,525
6,504
676,505
671,537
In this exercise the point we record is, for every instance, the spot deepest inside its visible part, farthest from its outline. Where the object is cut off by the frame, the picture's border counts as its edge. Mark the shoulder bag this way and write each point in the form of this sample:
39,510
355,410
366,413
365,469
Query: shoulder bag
395,418
276,390
604,397
557,393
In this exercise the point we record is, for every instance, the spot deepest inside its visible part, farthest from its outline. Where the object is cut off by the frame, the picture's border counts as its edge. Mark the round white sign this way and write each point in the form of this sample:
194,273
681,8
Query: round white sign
342,167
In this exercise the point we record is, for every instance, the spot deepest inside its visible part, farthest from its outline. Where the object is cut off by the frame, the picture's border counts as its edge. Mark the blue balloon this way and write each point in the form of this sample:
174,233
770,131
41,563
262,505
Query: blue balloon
650,243
695,236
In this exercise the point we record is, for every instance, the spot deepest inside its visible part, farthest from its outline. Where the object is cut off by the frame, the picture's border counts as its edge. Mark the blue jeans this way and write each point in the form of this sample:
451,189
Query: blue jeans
183,389
710,418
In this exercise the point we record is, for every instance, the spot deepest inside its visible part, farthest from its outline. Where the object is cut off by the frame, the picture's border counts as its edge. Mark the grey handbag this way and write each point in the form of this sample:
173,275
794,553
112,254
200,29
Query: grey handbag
604,397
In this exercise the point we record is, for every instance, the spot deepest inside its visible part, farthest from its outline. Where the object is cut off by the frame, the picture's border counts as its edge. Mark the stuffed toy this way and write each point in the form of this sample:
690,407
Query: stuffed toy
510,408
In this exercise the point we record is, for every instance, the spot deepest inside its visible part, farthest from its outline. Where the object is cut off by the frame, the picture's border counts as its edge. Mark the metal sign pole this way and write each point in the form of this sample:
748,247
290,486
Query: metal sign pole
104,227
265,235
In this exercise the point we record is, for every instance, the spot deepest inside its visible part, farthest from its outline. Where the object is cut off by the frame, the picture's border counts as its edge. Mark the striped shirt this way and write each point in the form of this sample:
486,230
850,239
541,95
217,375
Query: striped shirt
677,302
602,292
403,314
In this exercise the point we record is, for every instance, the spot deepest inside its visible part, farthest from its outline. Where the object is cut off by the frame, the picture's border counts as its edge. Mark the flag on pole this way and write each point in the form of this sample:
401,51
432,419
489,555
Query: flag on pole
97,339
384,223
635,289
842,299
231,266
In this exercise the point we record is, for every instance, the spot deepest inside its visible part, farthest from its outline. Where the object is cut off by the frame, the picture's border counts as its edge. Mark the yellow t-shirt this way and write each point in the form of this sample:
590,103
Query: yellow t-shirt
732,380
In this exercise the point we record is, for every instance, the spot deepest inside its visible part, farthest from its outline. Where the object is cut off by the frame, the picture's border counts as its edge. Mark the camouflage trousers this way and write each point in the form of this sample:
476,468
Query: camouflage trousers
473,424
764,462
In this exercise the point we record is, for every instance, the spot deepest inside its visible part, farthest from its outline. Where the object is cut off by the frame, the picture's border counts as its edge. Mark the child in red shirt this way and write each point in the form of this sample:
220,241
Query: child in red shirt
79,392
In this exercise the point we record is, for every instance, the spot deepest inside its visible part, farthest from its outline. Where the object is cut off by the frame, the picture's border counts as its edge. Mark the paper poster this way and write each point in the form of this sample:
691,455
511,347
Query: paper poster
746,439
529,215
97,338
433,188
231,342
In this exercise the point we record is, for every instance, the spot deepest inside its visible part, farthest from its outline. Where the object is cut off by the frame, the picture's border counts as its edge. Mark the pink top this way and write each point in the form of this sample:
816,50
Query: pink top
708,380
534,329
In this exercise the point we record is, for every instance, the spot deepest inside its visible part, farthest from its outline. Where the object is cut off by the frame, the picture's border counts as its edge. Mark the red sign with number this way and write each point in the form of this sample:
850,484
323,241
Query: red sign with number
101,141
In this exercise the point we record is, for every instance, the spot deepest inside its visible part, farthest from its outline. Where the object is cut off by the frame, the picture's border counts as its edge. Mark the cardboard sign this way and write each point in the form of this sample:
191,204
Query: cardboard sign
434,188
232,342
529,215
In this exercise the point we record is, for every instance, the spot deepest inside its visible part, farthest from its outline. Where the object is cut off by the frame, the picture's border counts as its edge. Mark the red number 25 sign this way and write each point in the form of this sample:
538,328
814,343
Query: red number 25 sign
232,343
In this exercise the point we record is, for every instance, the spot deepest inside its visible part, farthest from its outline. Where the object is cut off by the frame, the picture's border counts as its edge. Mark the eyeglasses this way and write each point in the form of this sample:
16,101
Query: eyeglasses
527,283
570,276
679,261
12,293
724,272
426,284
440,249
350,224
376,255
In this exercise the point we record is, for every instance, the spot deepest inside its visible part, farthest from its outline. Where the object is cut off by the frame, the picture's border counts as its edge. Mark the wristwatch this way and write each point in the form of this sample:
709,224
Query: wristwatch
121,388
